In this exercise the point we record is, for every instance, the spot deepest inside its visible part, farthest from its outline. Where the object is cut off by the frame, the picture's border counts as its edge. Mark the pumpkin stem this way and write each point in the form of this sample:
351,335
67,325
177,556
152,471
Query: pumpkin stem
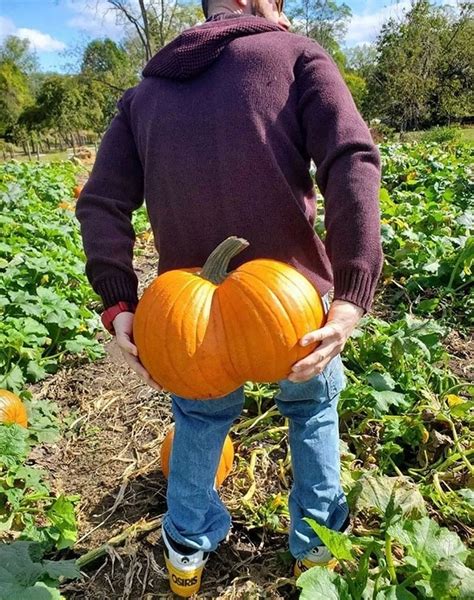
215,267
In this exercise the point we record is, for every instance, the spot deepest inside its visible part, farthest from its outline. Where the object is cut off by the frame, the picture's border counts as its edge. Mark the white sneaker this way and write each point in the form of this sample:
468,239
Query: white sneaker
184,570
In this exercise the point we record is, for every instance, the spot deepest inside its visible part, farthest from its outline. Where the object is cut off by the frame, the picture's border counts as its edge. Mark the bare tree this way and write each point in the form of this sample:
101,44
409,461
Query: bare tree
139,21
156,22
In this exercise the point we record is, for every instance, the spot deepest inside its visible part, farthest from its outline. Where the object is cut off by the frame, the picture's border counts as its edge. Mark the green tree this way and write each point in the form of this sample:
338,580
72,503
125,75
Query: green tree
106,72
17,51
424,64
361,59
17,63
324,21
14,95
357,86
107,61
165,26
453,98
59,107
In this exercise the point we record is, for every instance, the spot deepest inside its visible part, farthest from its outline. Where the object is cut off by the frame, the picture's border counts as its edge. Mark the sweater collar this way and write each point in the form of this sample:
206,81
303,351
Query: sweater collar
194,50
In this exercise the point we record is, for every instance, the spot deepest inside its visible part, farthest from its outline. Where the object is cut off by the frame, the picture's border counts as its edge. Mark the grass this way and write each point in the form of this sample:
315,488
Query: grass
468,134
50,157
463,134
46,157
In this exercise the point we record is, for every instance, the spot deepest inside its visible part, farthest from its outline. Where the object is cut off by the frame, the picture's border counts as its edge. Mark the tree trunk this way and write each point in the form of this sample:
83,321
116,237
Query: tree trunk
146,28
141,28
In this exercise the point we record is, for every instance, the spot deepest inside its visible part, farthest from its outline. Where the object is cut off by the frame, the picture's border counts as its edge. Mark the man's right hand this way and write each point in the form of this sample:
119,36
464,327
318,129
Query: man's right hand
123,326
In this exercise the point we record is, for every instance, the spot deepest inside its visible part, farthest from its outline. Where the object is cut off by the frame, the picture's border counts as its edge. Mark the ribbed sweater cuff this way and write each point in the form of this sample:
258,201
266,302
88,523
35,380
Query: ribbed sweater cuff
356,286
116,289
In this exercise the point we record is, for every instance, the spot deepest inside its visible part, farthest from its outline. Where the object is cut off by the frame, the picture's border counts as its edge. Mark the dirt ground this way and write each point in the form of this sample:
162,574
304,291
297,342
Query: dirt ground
109,455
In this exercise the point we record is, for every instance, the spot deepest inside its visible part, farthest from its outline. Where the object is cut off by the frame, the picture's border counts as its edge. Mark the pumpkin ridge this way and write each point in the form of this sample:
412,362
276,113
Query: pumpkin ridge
310,309
145,337
276,298
178,375
231,308
192,296
268,307
233,374
292,282
195,331
280,304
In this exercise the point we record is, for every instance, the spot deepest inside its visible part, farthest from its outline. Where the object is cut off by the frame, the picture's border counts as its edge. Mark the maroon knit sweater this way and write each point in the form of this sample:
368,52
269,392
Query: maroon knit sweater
218,138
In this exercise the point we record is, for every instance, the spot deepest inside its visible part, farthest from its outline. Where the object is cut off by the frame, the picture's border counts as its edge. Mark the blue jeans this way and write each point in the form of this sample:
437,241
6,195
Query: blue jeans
197,517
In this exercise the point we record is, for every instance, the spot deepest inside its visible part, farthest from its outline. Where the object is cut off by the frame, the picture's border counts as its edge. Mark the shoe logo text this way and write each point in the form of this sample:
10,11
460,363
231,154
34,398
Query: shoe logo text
184,582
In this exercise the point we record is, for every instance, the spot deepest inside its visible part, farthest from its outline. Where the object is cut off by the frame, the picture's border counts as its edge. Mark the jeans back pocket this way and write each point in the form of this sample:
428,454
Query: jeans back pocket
334,376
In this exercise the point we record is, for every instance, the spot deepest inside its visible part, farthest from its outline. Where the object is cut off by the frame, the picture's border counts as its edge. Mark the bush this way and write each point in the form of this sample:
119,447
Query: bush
381,132
442,134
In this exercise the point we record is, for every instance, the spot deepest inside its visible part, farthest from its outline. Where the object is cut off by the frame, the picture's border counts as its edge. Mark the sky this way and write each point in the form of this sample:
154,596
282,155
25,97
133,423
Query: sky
57,28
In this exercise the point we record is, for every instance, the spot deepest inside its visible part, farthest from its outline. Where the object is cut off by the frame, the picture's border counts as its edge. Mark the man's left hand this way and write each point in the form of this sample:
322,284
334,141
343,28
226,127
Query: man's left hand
342,318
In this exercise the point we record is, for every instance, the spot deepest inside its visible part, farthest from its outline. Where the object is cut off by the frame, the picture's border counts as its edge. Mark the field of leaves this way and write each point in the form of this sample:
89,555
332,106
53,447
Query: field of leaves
406,413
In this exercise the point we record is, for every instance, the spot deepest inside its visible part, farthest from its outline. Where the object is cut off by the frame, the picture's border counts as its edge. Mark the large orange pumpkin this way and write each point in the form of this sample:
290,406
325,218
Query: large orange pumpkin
203,332
12,409
225,464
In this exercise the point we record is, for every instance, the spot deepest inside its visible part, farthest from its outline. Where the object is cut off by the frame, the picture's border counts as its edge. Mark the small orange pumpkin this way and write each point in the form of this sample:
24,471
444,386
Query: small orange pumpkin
12,409
202,332
225,464
77,191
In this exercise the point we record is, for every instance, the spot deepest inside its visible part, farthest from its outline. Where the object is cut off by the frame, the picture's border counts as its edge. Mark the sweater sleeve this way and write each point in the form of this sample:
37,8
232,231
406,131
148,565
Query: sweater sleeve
347,173
104,209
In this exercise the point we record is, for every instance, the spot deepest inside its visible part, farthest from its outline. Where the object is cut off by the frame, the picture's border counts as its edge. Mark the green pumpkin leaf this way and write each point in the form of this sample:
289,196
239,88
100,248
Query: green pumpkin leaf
13,444
384,400
13,380
338,544
395,592
24,576
383,494
452,579
35,371
40,591
468,495
61,514
428,543
321,584
62,568
381,381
